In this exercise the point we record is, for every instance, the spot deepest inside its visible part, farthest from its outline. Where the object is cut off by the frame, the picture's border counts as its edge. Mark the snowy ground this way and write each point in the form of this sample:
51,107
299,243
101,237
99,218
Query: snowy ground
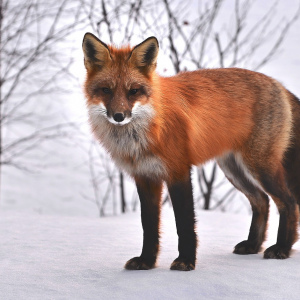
55,257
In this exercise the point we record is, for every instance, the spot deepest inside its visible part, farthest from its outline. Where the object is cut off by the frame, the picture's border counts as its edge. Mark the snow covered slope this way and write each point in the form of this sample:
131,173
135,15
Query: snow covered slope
55,257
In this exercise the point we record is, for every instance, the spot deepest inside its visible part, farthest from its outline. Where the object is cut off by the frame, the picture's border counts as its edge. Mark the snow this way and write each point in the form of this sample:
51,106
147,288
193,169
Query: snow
56,257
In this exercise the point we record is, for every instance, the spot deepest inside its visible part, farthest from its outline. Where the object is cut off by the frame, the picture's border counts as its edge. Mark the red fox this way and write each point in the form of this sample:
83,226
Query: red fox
156,128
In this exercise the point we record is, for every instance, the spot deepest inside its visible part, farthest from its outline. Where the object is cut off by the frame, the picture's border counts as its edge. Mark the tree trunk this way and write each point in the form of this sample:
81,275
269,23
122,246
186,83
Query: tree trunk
207,191
122,193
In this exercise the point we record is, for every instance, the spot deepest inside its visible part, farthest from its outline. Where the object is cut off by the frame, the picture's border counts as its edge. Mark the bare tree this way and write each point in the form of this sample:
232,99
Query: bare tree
103,176
33,69
193,37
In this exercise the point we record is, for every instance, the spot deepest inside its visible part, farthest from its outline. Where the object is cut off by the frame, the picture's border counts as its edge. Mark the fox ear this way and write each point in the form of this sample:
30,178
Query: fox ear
144,55
96,53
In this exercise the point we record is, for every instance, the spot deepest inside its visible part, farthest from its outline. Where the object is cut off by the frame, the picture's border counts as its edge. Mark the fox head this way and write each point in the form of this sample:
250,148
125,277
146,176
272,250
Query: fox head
118,84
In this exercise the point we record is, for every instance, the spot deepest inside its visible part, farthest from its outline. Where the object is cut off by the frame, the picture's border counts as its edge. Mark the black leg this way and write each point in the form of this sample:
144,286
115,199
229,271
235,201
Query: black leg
287,230
259,201
183,205
289,214
150,195
257,233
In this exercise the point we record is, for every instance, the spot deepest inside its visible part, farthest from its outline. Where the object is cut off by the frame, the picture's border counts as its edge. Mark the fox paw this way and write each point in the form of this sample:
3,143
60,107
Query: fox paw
139,263
246,247
277,252
183,264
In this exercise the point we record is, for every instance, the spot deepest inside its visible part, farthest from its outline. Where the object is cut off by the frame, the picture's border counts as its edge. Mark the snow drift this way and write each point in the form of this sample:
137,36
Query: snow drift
55,257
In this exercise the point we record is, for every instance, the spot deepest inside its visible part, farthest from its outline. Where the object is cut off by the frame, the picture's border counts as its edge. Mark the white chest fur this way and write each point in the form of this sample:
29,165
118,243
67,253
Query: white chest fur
128,145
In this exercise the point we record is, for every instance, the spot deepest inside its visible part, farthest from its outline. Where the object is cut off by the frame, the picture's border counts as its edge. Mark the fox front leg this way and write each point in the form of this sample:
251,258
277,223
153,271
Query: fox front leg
182,199
150,197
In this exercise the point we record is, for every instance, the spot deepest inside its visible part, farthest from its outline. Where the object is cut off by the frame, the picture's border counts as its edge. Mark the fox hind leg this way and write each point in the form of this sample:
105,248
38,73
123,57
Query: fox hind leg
271,179
276,186
257,233
237,175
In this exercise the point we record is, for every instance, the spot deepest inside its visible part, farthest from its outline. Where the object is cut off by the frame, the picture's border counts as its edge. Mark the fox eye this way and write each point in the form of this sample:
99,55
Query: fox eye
133,91
106,90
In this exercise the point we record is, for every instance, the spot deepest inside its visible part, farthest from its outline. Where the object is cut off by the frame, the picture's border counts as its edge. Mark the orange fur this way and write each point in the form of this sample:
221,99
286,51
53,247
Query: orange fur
198,115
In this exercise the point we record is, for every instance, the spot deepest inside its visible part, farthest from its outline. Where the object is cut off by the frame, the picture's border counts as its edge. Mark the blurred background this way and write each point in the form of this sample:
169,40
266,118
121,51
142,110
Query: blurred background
49,161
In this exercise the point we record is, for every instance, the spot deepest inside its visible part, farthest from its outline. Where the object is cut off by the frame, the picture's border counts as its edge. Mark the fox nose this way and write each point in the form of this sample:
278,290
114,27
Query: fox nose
119,117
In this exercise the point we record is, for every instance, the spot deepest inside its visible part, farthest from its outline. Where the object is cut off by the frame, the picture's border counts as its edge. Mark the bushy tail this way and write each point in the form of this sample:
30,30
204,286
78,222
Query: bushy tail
292,158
